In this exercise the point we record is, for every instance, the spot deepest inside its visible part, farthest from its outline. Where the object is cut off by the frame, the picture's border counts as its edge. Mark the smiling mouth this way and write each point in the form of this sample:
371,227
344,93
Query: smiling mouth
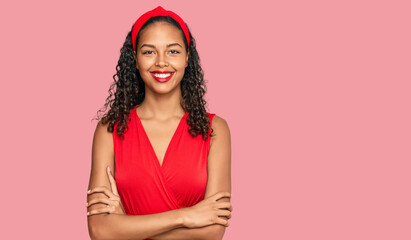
162,75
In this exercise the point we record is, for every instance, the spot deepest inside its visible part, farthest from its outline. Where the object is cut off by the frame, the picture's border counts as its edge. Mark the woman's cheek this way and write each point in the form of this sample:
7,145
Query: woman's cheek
178,64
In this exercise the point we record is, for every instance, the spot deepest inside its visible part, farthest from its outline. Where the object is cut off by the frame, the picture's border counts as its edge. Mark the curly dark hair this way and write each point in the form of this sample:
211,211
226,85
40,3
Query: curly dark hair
130,88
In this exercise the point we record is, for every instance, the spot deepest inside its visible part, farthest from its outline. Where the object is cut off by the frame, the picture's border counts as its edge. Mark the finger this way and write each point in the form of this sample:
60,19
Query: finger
99,200
226,205
103,189
224,213
221,195
99,211
112,181
222,222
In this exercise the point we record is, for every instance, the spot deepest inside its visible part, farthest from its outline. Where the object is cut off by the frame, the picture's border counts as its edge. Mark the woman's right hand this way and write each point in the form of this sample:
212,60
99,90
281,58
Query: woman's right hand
207,212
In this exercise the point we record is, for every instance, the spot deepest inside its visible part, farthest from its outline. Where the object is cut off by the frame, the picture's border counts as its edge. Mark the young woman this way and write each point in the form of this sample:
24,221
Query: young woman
171,158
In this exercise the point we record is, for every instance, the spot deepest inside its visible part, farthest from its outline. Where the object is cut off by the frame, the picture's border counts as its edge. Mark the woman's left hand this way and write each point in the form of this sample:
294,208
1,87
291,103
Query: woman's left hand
114,204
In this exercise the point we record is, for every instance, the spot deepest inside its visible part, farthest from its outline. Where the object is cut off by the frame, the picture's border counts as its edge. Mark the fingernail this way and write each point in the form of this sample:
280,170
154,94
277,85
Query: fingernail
86,204
89,191
88,213
108,168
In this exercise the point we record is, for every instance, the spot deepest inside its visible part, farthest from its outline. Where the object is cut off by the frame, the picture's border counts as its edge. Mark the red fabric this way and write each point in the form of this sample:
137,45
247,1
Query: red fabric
144,186
158,11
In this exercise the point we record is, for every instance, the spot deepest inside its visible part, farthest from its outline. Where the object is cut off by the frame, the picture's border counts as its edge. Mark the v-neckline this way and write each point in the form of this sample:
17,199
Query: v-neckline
149,142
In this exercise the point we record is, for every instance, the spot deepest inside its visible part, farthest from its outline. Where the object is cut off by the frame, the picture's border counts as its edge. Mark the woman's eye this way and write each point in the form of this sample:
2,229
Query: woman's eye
174,51
147,52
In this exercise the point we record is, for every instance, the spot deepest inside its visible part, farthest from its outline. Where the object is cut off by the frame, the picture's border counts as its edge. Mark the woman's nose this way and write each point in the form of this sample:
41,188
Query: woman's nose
161,60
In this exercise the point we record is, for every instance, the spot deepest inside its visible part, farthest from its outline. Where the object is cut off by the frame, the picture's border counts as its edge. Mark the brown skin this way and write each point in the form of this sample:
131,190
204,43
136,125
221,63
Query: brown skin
160,114
153,54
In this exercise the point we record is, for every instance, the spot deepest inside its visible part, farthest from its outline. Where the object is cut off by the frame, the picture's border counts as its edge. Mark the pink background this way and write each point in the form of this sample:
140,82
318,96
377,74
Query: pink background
316,94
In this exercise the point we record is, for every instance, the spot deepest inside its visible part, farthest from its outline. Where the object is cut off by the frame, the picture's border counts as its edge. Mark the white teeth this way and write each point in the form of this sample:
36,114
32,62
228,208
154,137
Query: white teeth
162,75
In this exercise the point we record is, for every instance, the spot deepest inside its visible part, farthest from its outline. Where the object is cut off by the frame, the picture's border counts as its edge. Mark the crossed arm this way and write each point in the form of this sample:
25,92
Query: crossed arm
165,225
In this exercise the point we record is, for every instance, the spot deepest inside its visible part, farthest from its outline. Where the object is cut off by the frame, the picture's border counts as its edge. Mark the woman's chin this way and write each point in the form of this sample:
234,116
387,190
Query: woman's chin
161,90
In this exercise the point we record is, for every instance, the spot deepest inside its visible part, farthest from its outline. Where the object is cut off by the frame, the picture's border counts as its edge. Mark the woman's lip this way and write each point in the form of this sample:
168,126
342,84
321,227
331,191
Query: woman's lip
162,79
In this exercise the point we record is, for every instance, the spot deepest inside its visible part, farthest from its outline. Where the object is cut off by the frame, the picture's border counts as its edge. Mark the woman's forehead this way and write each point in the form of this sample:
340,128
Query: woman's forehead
161,32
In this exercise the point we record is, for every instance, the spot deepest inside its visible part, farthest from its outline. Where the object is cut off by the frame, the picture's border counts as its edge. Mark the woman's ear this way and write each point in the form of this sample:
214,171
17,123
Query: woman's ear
187,59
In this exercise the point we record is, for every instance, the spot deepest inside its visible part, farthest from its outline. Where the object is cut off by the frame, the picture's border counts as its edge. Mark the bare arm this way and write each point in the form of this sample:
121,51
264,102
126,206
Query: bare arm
204,233
219,165
117,226
219,179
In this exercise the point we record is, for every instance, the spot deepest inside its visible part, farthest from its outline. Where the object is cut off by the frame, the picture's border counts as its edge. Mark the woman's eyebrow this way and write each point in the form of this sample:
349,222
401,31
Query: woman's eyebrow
168,45
173,44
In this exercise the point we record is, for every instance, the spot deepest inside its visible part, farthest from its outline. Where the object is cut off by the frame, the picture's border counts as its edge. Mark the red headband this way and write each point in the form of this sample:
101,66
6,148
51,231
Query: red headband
158,11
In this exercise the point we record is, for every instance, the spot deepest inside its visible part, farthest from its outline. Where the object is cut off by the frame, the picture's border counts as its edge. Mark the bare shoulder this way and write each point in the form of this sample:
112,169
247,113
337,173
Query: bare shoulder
103,147
101,131
220,127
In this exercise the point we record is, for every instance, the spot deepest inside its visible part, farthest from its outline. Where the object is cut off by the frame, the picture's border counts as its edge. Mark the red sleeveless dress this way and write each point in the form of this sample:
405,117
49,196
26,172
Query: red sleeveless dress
145,186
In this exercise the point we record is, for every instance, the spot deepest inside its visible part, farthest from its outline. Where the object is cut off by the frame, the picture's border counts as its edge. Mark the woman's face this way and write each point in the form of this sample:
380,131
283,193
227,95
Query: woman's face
161,57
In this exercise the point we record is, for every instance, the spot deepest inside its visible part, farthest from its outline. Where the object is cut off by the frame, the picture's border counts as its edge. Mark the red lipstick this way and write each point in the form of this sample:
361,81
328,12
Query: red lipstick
162,79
